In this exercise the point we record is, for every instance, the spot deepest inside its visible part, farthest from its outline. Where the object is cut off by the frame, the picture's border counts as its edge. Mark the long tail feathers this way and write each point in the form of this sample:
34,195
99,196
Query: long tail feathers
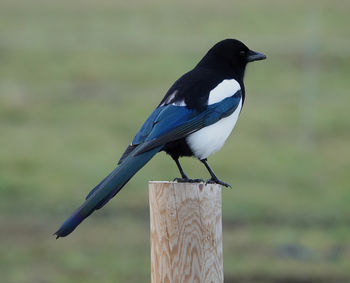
107,189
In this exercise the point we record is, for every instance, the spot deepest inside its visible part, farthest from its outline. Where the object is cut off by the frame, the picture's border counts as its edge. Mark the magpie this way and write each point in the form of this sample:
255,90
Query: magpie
195,118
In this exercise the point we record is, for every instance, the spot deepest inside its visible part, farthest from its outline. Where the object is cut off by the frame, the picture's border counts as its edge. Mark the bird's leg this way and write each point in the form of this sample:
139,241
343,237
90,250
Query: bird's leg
184,178
213,179
183,175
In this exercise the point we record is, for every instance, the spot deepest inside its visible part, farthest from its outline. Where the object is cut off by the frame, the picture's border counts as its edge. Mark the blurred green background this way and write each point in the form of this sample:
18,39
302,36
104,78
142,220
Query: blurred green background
77,80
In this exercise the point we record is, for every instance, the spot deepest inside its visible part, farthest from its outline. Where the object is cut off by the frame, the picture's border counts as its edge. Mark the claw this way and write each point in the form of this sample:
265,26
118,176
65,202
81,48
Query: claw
217,181
188,180
196,181
180,180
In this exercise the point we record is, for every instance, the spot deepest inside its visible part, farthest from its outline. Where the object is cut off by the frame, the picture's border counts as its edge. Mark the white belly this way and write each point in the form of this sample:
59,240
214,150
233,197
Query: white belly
210,139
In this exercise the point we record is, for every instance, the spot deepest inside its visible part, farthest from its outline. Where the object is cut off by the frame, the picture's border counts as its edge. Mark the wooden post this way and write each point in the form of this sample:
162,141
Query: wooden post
186,232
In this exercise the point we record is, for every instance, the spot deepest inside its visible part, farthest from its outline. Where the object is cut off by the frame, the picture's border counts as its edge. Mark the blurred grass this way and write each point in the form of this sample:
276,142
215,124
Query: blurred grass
78,78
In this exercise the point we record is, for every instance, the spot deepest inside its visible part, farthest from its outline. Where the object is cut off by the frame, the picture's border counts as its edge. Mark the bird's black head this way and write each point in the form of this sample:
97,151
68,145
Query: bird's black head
230,57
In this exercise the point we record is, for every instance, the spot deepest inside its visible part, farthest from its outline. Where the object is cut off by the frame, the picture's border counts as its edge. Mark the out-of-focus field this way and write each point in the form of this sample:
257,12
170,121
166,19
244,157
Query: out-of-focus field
78,78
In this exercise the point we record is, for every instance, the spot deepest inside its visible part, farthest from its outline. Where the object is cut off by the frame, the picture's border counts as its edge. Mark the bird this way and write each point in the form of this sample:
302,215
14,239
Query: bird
195,117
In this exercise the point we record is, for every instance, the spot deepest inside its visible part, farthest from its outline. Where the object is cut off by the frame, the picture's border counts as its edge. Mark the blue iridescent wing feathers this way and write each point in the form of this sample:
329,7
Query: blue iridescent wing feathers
176,122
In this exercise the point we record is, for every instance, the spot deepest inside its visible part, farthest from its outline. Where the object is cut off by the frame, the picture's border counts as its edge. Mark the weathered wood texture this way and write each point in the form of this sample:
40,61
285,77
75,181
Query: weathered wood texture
186,232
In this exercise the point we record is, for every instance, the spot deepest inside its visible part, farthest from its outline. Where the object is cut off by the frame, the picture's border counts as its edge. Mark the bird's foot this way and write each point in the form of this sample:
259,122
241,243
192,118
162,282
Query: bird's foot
188,180
217,181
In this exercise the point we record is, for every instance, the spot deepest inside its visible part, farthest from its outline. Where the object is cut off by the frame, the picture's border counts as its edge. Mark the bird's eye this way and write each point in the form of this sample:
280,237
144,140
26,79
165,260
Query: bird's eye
242,53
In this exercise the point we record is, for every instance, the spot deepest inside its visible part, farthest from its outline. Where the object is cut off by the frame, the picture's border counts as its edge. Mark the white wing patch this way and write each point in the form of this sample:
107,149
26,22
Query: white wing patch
180,103
223,90
169,98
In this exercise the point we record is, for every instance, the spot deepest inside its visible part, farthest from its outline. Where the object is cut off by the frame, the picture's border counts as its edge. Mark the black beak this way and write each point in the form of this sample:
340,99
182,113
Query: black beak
255,56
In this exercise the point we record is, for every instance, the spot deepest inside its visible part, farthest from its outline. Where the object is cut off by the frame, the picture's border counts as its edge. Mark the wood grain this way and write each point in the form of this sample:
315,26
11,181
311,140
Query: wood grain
186,232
